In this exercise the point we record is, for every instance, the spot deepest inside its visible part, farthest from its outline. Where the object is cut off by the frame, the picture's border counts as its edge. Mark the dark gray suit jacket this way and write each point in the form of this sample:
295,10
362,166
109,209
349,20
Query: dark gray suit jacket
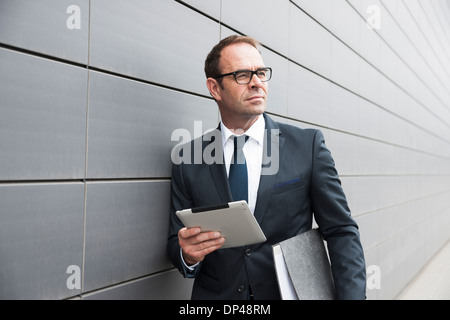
305,183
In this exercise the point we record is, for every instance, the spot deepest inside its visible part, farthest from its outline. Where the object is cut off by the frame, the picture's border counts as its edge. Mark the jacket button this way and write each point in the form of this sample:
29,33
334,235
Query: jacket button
241,288
248,252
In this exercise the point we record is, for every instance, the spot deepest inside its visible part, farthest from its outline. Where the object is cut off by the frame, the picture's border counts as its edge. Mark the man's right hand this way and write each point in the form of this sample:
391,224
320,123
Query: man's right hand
196,245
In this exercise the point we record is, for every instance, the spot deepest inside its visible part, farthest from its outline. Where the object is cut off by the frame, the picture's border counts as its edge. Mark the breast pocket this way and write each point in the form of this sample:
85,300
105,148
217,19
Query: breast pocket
288,185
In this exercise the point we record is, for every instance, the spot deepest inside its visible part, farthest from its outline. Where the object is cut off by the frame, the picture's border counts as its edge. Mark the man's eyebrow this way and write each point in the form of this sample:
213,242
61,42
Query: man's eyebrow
257,68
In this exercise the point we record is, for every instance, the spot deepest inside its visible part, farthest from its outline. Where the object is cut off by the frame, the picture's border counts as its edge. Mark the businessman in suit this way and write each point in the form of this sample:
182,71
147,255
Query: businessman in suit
289,177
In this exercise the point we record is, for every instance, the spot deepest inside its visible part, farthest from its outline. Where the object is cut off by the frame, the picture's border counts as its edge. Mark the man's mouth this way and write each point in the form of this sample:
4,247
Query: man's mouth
255,97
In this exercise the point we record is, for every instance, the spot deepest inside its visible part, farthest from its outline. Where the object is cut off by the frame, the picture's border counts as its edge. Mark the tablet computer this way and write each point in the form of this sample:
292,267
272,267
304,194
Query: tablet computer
234,220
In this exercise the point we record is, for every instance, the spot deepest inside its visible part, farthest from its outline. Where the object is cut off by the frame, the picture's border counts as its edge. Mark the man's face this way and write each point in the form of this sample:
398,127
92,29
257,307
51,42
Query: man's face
241,100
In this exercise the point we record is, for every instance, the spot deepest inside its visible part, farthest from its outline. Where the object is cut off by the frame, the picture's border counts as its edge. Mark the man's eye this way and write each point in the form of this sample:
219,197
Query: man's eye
262,73
241,75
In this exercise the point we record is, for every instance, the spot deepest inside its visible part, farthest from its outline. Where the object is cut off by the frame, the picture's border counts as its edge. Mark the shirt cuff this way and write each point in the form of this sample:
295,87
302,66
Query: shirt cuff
189,268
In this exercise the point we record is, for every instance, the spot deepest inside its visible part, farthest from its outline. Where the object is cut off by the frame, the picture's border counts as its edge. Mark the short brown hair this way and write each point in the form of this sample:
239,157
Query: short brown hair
212,60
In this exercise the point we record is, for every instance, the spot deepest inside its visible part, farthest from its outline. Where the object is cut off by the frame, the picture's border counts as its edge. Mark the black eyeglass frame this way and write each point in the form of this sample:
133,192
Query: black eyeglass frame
251,77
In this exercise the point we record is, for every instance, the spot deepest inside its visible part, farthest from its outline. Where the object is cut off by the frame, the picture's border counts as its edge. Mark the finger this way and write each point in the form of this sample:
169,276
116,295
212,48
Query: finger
206,236
200,250
208,246
186,233
218,244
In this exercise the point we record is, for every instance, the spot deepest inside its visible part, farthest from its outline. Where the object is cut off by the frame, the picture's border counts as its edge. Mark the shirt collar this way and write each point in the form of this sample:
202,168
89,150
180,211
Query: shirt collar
256,131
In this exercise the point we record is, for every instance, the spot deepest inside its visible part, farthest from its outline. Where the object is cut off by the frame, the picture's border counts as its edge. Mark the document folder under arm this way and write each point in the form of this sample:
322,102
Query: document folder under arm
303,268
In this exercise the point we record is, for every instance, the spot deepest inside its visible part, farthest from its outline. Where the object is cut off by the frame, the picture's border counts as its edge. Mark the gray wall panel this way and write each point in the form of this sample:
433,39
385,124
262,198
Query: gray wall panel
345,24
318,10
255,17
366,156
159,41
308,96
344,66
209,7
278,89
41,235
344,110
167,285
43,118
126,231
309,43
54,27
131,125
373,192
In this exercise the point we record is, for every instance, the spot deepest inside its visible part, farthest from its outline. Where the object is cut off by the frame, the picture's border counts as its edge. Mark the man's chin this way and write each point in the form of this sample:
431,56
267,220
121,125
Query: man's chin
256,109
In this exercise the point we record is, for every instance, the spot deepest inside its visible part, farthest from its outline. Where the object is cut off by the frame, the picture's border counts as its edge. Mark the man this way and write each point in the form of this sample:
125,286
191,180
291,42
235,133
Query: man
304,183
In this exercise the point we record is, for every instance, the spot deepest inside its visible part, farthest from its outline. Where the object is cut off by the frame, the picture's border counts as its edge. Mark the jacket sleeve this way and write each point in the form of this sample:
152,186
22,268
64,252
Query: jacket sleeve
336,224
180,199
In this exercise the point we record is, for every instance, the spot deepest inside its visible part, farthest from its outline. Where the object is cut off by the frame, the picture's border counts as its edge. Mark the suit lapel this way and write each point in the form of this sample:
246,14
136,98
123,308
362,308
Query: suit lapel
273,145
218,170
219,176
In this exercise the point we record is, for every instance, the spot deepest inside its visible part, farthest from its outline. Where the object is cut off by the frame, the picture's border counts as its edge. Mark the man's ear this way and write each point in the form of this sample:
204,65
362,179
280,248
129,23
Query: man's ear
214,88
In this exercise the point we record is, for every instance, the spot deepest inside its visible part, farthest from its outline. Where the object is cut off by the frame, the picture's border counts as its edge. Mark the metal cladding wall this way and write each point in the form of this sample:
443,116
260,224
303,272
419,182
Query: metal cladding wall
91,92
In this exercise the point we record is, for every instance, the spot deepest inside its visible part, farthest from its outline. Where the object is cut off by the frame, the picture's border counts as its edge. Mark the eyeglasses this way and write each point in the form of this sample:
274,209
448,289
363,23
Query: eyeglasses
245,76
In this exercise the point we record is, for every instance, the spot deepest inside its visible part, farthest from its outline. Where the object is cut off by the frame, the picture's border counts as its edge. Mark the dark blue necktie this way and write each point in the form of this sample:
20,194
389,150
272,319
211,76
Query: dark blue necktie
237,177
